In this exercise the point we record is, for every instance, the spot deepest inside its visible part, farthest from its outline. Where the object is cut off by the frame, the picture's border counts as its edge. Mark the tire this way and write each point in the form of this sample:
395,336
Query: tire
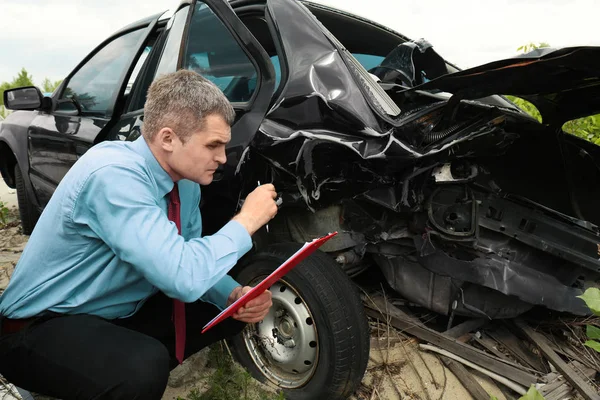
27,210
314,343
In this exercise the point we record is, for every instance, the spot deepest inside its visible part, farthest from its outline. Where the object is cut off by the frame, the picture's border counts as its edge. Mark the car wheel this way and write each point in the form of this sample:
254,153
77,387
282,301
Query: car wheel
314,343
27,210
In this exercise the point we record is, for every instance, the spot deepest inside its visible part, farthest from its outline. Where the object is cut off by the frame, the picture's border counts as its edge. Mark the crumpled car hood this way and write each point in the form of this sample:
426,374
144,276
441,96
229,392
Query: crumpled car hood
563,84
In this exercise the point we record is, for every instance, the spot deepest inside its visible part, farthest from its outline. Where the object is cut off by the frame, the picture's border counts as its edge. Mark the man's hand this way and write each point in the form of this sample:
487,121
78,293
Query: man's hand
255,310
258,209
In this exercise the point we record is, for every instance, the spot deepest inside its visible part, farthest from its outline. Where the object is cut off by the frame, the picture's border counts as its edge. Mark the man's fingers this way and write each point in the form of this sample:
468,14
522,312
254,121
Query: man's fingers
245,290
264,297
258,309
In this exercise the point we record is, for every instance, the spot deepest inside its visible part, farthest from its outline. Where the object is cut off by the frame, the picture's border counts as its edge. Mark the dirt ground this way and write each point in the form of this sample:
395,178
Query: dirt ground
396,370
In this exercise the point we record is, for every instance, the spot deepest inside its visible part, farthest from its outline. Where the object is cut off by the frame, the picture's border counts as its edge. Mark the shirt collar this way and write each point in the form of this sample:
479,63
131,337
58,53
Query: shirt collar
163,180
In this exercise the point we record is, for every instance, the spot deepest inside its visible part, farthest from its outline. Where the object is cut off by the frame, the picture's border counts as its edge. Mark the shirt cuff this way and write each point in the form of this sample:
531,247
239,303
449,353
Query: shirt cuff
240,236
219,293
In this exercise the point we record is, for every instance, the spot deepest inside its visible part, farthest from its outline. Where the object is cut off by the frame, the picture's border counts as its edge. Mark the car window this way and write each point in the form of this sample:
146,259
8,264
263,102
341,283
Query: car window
252,82
215,54
170,55
368,61
94,85
136,70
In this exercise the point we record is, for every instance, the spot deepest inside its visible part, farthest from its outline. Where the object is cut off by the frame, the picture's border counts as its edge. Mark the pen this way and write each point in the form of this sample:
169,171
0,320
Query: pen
267,224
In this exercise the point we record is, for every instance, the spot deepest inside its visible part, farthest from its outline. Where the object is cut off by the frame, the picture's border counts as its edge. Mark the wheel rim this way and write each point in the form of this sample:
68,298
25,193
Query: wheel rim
284,345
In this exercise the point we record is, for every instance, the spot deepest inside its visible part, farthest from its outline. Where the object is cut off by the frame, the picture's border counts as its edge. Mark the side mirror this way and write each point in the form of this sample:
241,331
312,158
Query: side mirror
24,98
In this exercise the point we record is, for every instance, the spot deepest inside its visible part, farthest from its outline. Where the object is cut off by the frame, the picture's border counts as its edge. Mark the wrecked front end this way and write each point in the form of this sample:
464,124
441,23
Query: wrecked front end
465,204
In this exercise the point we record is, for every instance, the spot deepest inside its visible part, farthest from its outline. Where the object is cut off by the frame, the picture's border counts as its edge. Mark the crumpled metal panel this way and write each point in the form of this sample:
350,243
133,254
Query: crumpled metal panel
325,133
333,164
319,87
510,277
411,63
440,293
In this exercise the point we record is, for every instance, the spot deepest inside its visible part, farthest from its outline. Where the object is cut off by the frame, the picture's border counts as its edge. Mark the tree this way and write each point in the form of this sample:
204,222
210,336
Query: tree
526,48
23,79
48,86
526,106
587,128
3,86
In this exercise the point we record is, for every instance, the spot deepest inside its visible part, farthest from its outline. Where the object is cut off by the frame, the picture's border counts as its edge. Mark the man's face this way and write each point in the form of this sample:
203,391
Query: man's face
198,158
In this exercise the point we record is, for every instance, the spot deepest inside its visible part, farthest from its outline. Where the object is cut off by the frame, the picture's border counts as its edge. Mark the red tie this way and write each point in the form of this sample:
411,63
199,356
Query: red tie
178,306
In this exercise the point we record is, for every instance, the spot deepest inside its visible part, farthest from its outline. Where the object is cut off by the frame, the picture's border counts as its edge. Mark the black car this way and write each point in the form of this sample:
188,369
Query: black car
466,204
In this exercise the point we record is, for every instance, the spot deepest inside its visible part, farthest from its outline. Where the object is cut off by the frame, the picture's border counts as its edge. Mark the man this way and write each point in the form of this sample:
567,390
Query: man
89,311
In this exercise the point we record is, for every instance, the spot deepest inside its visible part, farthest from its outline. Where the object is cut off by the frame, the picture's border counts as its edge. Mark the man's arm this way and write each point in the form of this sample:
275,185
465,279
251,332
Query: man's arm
117,204
220,293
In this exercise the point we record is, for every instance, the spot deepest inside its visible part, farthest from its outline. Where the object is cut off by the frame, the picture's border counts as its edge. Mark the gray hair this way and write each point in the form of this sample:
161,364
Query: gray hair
180,101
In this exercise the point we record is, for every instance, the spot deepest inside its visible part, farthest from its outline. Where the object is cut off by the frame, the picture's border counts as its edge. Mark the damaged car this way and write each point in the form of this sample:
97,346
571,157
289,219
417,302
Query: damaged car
466,204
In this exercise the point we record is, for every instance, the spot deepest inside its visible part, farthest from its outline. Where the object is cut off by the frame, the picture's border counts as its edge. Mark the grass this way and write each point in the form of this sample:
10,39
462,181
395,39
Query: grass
9,217
4,213
228,380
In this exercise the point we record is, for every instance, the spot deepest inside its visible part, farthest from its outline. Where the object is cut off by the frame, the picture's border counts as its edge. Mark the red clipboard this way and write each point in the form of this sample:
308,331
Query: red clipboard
295,259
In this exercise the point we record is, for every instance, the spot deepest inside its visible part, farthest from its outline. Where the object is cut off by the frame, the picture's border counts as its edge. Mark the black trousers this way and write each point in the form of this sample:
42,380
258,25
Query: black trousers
87,357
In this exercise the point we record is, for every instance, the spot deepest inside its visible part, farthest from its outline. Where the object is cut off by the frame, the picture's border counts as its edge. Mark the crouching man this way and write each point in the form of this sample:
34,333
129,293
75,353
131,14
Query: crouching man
116,281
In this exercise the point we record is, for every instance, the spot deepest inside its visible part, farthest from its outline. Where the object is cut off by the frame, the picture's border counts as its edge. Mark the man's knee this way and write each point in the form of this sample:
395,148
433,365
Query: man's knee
144,374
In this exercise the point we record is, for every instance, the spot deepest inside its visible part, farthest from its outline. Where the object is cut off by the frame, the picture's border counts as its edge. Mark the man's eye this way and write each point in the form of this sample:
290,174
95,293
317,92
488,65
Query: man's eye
212,146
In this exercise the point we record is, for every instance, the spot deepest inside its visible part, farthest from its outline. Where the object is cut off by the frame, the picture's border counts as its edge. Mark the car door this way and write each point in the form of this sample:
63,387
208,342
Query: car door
206,36
84,108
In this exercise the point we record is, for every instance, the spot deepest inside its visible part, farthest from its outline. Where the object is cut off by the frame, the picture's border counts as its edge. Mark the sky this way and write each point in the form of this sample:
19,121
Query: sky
49,37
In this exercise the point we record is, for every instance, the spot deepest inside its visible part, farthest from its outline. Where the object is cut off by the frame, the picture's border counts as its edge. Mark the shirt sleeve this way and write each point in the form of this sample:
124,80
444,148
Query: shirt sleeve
219,293
118,205
194,229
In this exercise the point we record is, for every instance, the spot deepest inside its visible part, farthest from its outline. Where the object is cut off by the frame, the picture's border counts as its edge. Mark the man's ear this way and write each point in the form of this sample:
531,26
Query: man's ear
166,138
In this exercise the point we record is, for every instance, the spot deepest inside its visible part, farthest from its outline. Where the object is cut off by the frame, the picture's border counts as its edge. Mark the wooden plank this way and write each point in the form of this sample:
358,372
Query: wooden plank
379,303
508,393
569,353
550,387
555,387
466,379
582,369
467,352
570,375
466,327
558,388
489,345
563,392
515,346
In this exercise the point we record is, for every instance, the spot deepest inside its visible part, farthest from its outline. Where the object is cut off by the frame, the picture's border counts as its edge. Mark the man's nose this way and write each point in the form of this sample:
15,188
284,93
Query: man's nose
221,157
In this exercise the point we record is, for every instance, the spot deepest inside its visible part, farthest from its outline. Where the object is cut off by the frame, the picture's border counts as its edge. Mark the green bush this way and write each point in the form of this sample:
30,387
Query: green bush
587,128
592,299
4,211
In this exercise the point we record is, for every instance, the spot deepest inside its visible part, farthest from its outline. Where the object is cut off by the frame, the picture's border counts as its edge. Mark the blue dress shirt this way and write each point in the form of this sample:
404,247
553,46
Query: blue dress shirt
104,243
